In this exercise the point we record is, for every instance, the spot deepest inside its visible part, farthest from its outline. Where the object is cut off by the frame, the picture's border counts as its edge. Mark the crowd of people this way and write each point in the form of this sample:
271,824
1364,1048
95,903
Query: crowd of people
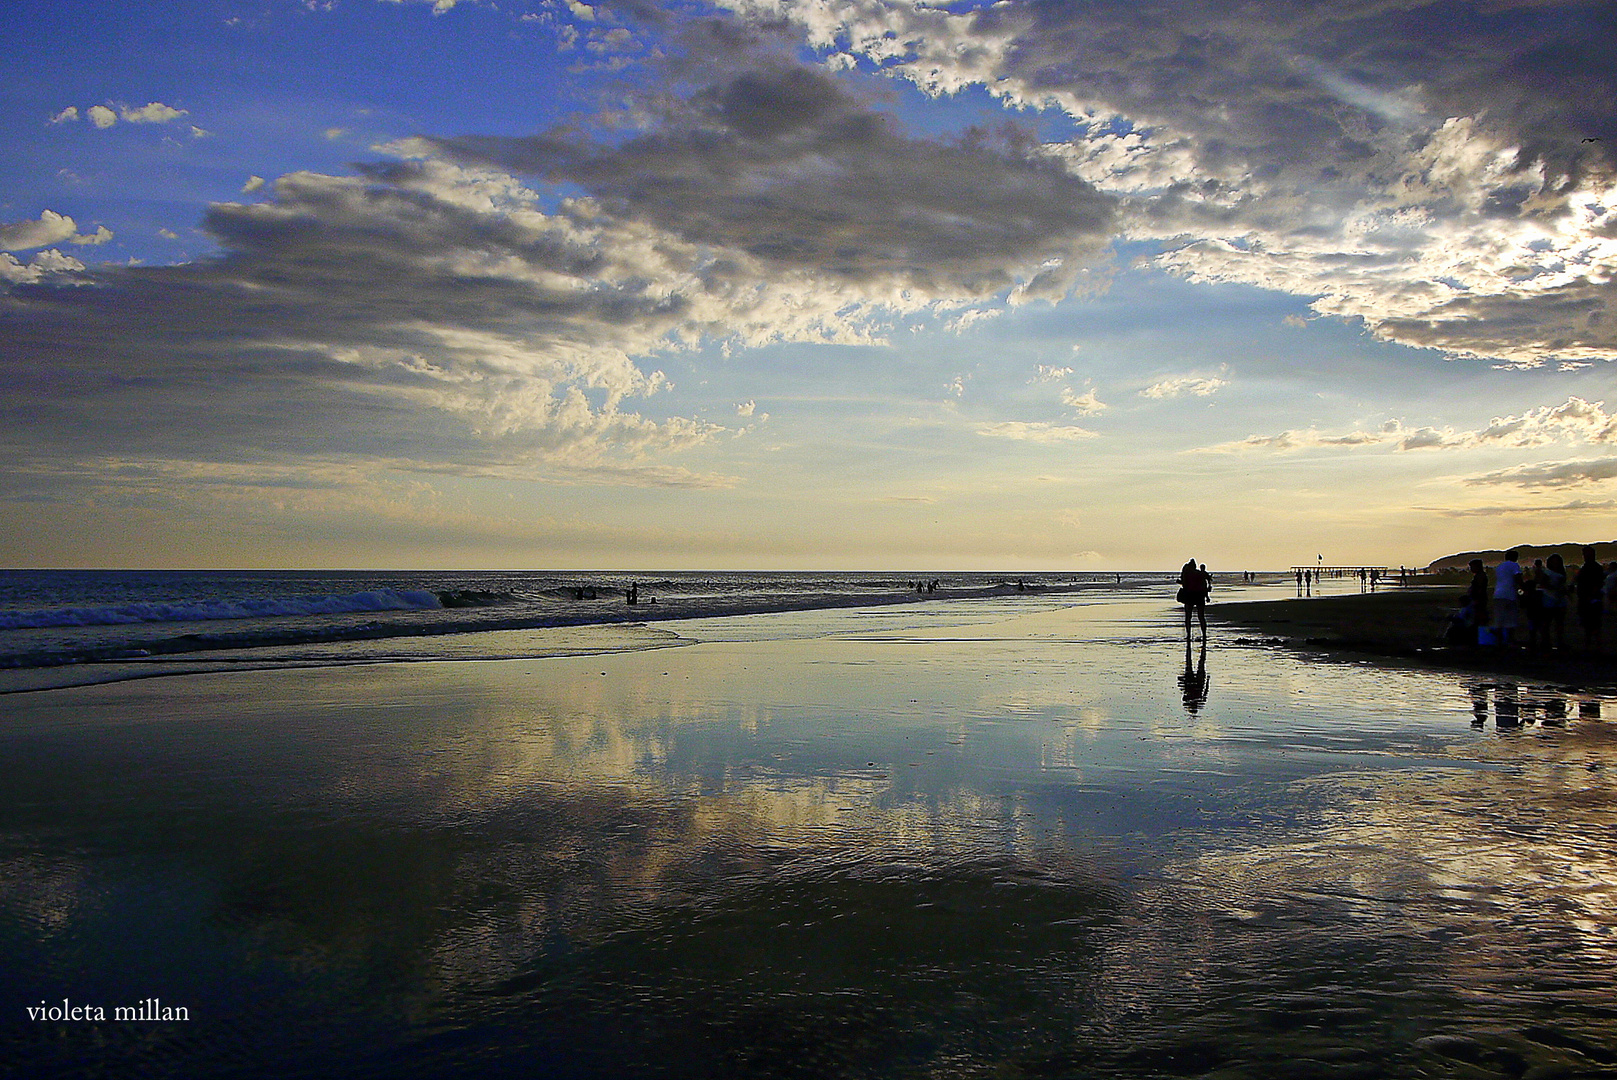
1529,606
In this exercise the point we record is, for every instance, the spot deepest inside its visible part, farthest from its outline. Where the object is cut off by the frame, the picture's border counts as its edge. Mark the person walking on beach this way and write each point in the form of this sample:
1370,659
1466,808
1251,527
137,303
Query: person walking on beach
1588,587
1194,585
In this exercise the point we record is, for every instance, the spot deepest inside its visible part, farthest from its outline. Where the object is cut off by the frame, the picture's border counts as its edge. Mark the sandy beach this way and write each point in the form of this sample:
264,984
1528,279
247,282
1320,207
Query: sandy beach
1051,842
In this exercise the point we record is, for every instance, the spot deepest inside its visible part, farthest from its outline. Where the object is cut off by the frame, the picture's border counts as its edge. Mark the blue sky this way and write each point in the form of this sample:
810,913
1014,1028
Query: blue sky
804,283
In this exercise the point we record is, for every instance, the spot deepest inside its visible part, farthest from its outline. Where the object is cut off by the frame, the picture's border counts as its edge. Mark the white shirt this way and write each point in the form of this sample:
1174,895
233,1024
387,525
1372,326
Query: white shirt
1508,575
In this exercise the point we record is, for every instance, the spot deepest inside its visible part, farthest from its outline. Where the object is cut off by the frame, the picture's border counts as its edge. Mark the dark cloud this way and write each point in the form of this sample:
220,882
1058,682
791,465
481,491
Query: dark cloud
400,315
1581,314
1378,155
1305,87
1553,474
784,164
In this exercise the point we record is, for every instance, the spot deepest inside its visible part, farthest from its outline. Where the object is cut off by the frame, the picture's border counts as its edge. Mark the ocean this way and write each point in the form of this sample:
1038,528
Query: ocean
68,627
1001,832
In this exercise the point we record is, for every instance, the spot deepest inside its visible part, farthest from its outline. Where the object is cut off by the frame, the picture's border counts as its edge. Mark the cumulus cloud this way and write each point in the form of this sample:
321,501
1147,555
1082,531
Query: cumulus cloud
51,228
45,266
426,314
785,165
153,112
1418,166
1194,385
441,315
101,116
67,115
253,184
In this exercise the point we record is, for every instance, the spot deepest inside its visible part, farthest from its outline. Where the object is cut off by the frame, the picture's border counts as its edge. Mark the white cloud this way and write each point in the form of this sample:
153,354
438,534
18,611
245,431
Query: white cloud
67,115
1553,474
101,116
253,184
51,228
1085,404
1435,186
101,235
168,234
1195,385
47,265
1037,431
1575,421
746,408
1050,373
153,112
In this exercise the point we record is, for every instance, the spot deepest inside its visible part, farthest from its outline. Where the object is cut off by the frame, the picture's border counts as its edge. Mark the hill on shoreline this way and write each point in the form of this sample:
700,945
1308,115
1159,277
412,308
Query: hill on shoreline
1571,553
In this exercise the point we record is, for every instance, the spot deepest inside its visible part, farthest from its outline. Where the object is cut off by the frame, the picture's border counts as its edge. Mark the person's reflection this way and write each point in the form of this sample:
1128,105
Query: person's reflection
1193,683
1479,704
1506,707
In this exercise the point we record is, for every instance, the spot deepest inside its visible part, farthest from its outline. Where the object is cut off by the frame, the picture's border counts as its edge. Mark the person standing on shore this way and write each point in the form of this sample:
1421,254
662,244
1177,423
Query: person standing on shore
1507,579
1477,596
1589,586
1194,585
1552,597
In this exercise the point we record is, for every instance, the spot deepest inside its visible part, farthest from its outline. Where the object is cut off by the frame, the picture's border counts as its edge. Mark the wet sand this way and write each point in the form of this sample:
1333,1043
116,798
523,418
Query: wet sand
1054,843
1407,624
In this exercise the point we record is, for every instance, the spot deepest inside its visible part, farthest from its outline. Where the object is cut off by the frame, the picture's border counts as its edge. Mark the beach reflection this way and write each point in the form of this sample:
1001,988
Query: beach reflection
1193,683
1026,853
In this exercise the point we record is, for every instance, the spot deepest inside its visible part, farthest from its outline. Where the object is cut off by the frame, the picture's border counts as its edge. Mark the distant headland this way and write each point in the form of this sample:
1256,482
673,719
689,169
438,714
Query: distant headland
1571,553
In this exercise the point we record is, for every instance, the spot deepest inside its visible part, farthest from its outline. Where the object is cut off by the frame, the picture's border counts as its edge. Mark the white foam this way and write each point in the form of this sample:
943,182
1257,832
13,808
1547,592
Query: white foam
210,610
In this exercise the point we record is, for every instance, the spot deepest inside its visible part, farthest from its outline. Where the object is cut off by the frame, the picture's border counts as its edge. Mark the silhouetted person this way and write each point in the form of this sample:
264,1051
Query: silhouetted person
1194,586
1588,587
1477,596
1552,598
1533,610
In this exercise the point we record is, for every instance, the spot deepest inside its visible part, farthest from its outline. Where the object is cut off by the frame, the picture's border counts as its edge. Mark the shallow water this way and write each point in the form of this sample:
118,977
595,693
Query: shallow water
850,843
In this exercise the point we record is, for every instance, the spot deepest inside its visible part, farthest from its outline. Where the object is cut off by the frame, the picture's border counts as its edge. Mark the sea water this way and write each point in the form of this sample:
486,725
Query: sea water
64,627
1028,839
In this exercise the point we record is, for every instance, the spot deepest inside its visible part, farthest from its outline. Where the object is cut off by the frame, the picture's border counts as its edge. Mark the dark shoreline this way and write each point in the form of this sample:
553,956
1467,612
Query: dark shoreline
1407,624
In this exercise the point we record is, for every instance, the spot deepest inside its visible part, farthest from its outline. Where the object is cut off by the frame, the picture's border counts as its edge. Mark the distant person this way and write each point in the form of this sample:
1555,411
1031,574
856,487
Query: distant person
1194,586
1552,595
1477,594
1589,588
1507,583
1299,574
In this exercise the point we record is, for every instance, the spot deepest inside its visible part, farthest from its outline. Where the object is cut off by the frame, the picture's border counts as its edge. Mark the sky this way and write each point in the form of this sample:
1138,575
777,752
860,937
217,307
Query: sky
804,284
